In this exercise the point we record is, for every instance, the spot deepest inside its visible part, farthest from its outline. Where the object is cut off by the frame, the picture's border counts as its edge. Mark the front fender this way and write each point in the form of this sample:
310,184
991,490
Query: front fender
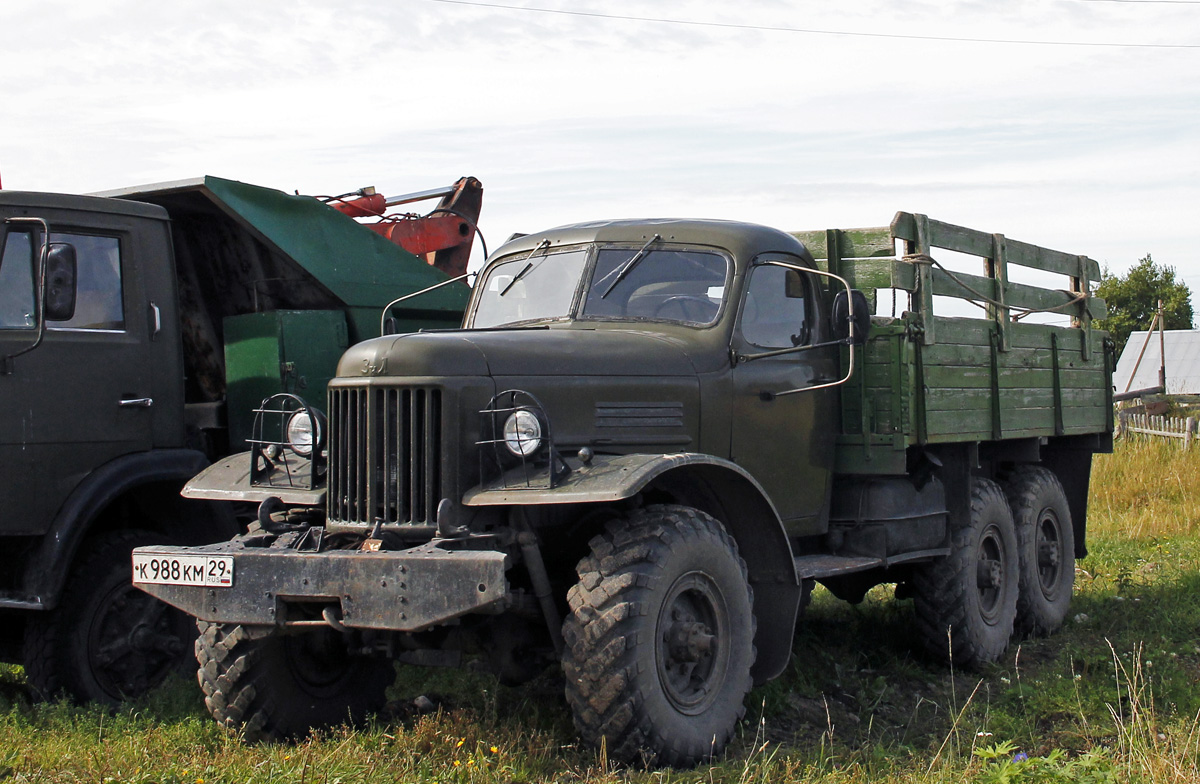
605,478
738,501
47,571
229,480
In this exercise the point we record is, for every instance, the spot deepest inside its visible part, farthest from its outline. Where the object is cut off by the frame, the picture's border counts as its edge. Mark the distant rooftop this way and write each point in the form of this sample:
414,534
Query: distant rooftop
1182,347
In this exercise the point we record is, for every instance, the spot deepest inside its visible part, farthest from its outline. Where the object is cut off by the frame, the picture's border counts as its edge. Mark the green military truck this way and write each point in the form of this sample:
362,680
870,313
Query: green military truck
647,443
138,331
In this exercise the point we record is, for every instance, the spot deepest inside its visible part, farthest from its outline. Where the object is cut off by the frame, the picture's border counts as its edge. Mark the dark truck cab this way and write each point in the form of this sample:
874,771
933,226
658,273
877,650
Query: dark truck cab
138,330
636,458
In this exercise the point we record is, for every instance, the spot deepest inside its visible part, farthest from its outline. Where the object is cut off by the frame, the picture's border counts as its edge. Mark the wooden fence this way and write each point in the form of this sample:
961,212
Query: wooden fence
1157,427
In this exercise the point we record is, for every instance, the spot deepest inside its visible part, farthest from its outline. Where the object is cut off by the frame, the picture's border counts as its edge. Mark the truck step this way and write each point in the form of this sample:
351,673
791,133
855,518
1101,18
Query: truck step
818,566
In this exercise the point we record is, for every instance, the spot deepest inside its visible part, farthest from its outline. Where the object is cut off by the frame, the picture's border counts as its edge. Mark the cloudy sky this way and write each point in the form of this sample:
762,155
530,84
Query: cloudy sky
1021,117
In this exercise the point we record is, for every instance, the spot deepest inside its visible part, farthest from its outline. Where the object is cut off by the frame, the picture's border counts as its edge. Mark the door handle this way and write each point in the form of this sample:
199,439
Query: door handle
136,402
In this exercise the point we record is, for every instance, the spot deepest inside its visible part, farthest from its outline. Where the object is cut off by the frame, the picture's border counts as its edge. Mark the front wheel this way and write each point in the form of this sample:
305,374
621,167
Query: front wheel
660,638
277,686
966,602
106,641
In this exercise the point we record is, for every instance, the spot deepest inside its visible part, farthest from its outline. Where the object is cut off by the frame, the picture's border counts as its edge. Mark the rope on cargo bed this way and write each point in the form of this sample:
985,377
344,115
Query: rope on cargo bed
1022,312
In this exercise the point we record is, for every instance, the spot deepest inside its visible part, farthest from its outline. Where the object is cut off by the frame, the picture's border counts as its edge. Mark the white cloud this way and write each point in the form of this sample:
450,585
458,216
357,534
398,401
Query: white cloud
1091,150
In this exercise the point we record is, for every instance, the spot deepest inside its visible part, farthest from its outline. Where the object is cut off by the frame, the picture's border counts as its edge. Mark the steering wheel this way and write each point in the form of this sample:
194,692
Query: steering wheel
692,308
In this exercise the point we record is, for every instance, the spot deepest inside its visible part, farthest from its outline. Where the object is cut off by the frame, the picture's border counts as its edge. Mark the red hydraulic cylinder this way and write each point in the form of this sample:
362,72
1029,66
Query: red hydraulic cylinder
420,236
372,206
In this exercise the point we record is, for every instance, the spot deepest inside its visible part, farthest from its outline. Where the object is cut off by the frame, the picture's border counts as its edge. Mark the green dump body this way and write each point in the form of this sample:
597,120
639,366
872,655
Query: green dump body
926,378
273,288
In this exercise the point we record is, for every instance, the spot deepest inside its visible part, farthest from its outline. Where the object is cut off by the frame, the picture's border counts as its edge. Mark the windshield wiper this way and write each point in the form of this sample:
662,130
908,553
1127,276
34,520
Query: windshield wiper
629,265
525,270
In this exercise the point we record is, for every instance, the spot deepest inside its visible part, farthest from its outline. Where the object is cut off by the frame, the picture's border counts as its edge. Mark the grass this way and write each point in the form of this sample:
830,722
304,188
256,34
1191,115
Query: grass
1113,697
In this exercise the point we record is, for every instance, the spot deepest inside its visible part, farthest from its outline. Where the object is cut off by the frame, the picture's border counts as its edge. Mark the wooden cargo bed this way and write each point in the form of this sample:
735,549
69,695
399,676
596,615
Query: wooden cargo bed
928,378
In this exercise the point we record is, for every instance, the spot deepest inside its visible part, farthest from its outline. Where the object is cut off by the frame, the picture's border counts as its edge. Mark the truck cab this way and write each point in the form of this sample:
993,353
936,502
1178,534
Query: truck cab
138,331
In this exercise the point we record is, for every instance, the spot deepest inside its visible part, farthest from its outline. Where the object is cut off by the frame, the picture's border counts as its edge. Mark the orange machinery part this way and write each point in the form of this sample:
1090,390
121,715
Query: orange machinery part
372,206
420,236
444,237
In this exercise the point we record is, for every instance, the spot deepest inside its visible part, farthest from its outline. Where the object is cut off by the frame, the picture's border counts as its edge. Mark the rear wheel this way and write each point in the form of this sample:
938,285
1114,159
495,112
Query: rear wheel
106,641
966,602
660,638
1046,542
275,686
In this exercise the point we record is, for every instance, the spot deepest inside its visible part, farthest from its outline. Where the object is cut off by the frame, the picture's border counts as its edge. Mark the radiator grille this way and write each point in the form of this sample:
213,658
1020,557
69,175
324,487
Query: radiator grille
384,455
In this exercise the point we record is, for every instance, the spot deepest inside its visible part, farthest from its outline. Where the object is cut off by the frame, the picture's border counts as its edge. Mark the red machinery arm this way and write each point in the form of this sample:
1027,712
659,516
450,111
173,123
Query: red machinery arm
444,236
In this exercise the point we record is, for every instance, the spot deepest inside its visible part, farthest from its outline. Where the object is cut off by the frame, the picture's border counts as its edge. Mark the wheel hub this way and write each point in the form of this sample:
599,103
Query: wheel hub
990,564
990,574
1049,552
689,640
132,644
691,660
1047,555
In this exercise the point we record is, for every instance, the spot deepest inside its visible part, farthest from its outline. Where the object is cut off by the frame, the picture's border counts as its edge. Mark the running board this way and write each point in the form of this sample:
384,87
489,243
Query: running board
820,566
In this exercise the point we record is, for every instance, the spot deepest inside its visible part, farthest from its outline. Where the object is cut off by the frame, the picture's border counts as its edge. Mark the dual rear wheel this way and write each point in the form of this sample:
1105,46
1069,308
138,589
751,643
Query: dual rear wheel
1009,574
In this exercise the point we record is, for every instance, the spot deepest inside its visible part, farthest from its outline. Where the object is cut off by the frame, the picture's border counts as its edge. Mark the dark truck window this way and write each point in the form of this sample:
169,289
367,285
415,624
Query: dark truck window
16,282
665,284
98,299
776,314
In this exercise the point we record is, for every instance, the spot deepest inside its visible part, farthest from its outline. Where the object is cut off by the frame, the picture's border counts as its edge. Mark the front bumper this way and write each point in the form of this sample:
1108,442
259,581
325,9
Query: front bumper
403,590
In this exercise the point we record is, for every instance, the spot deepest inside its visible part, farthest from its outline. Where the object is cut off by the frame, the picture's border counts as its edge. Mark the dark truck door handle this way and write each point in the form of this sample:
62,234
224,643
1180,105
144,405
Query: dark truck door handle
136,402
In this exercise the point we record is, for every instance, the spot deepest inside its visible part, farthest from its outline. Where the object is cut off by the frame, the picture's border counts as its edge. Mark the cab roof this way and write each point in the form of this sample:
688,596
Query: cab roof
744,240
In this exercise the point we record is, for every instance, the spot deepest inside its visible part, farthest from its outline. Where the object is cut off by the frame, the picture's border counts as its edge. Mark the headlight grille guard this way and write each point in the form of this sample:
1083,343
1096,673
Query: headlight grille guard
273,462
543,469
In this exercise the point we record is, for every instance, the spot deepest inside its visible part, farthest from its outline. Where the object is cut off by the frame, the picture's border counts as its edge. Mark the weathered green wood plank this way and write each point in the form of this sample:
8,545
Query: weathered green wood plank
969,331
955,354
867,274
1033,421
853,244
1036,257
1085,420
970,425
978,243
1011,399
966,286
1040,358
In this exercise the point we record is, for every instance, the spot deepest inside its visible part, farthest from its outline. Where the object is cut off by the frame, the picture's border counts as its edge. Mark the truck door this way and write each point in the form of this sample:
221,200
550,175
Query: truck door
785,441
87,393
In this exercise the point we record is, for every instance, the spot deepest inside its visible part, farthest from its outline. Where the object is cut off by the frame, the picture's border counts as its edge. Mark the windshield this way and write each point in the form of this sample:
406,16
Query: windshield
631,283
530,288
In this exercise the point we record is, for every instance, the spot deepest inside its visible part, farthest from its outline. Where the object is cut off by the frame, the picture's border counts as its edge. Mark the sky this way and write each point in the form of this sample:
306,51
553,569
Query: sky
799,114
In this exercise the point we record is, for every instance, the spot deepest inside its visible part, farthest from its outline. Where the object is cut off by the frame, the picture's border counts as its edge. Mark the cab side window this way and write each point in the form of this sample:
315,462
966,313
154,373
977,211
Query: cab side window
776,312
98,300
16,282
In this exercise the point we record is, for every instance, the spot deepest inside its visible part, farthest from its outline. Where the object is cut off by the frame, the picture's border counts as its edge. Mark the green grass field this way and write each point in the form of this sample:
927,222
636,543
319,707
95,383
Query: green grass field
1114,697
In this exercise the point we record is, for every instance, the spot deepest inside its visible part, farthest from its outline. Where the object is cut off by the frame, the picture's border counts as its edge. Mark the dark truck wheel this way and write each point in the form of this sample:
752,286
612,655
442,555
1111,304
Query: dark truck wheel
1046,543
106,641
972,592
660,638
281,686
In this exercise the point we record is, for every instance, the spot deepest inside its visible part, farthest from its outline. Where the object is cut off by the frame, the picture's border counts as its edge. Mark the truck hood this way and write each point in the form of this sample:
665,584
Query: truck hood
536,351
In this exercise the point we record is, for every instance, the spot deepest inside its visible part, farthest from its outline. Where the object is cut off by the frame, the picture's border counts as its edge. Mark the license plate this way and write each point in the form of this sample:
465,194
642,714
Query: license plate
211,571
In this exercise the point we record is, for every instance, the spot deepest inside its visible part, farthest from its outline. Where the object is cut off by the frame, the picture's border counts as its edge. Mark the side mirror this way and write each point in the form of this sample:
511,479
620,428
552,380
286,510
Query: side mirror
842,326
59,296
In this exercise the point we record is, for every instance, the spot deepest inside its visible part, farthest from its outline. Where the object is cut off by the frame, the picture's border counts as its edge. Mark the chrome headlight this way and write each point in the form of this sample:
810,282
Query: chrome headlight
522,433
304,432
